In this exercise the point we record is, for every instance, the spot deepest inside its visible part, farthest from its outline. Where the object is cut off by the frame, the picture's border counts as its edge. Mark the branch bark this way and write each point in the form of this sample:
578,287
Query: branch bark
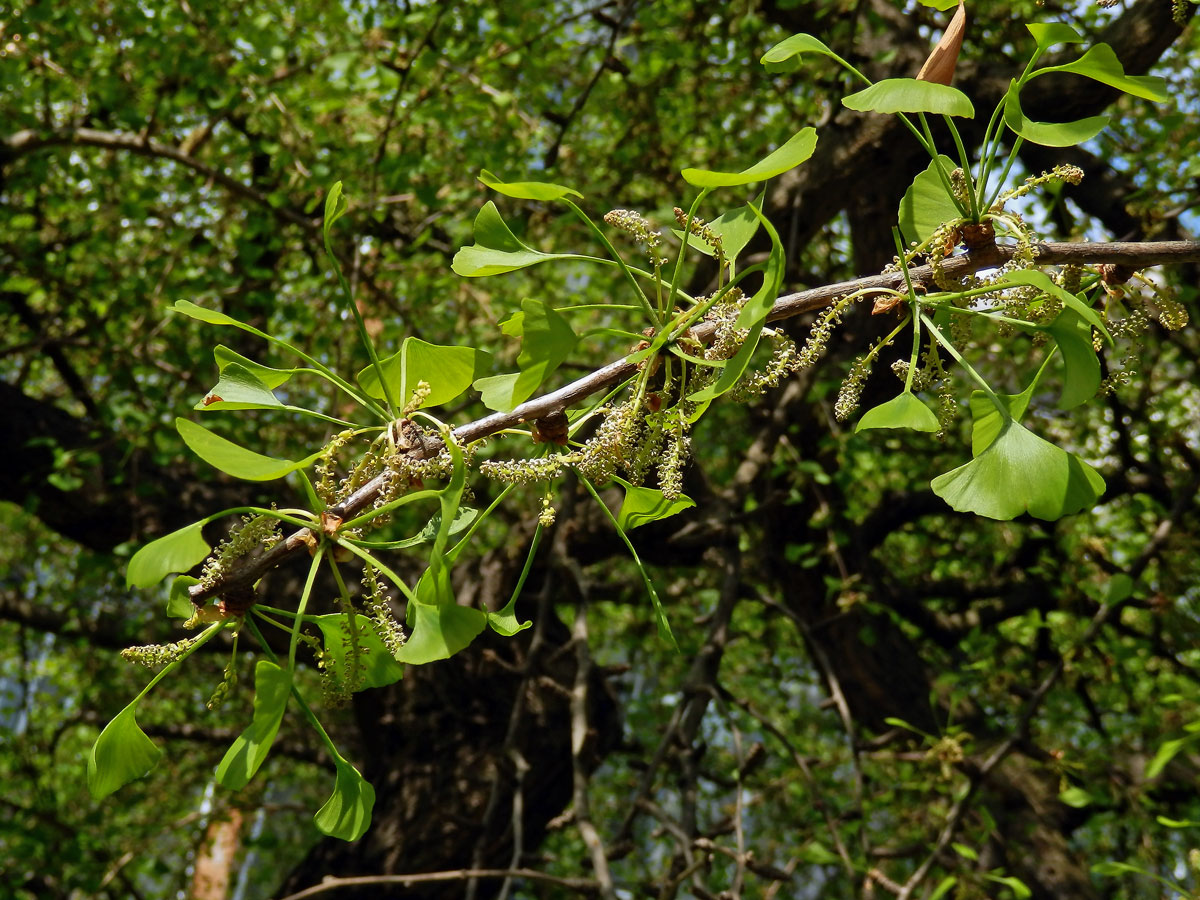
1134,255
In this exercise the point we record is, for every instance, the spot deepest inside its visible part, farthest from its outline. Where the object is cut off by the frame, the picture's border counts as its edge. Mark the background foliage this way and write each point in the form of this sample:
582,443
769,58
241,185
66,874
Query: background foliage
155,152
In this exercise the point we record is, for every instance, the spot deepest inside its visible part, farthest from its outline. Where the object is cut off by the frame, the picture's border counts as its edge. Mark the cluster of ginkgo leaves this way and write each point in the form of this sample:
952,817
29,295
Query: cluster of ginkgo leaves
678,370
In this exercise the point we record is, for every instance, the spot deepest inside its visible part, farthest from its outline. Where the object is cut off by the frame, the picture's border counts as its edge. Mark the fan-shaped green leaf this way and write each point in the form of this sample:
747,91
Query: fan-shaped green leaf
376,667
1100,63
1043,282
926,204
447,370
547,339
272,687
784,56
239,388
527,190
897,95
225,455
1018,473
347,814
121,754
1049,134
1047,34
905,410
497,250
272,378
174,552
796,150
439,631
1082,376
643,505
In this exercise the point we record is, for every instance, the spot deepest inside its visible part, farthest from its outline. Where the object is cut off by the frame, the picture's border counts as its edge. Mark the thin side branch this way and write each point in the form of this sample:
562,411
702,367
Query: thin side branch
1137,255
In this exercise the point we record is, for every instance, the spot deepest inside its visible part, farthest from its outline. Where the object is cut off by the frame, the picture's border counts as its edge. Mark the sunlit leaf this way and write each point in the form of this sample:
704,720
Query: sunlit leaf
1082,366
926,204
335,208
784,56
987,421
497,250
1049,134
347,814
174,552
232,459
1076,797
439,631
448,371
1100,63
735,229
643,505
239,388
376,667
905,410
270,377
752,317
1047,34
896,95
944,887
272,687
940,5
527,190
547,339
121,754
1020,472
796,150
203,314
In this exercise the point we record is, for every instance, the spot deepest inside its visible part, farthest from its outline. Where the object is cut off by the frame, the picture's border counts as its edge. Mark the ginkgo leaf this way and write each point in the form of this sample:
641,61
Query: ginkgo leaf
926,204
796,150
896,95
905,410
347,813
1018,473
526,190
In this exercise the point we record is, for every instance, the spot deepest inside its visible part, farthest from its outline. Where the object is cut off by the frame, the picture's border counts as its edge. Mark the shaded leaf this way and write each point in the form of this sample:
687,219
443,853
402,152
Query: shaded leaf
1167,751
926,204
179,601
347,814
905,410
895,95
1049,134
796,150
232,459
121,754
272,687
643,505
1016,885
376,667
335,208
174,552
527,190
